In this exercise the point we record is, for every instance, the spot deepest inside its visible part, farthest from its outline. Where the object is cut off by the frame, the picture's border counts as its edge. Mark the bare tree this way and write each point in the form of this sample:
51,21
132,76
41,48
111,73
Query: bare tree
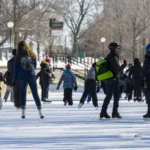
120,21
74,13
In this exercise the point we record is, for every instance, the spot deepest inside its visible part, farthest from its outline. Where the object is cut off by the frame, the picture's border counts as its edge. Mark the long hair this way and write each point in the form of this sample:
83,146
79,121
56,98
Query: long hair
25,49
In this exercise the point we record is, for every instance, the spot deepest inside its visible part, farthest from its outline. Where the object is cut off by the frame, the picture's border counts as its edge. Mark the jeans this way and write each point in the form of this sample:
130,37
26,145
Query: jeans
9,90
23,89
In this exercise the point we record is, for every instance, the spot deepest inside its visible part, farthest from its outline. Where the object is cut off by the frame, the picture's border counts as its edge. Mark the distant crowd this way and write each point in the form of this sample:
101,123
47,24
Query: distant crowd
106,73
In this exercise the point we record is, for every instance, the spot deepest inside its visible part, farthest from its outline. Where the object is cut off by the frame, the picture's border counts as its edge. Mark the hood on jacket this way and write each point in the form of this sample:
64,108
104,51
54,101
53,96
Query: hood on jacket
136,62
67,70
44,64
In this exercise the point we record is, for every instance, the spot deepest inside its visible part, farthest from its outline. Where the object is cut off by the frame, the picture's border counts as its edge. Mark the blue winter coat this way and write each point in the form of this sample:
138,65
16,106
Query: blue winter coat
20,73
68,78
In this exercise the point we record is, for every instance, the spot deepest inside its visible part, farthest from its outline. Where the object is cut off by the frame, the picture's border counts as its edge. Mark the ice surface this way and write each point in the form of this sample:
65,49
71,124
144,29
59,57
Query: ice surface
70,128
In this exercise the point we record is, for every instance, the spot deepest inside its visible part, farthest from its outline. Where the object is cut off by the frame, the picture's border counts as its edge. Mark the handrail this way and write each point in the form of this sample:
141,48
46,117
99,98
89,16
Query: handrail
73,60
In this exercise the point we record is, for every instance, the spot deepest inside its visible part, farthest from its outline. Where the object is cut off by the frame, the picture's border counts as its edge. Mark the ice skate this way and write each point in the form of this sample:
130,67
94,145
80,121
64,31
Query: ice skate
135,99
46,101
146,115
80,105
40,113
23,114
65,103
116,115
104,115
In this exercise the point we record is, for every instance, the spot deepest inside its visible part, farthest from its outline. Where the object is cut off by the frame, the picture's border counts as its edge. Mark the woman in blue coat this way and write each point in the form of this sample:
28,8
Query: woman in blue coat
24,74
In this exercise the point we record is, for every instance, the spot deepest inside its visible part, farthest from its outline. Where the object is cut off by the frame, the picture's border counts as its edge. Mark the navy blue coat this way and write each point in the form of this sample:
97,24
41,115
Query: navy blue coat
20,73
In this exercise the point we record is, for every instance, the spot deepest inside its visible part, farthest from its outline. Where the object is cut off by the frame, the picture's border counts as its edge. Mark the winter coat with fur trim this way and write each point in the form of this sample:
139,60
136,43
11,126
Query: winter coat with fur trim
45,73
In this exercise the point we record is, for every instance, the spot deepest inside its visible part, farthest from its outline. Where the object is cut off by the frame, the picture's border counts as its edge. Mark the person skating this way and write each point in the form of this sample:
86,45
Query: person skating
46,77
9,78
15,88
121,83
24,74
9,89
135,72
145,80
90,87
128,83
112,84
69,83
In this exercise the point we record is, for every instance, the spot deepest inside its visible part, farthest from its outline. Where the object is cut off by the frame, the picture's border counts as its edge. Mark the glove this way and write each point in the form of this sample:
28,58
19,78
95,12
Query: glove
142,83
75,88
57,88
98,89
125,62
13,84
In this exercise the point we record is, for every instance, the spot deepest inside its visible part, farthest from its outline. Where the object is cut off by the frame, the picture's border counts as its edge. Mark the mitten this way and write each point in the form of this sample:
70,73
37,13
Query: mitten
75,88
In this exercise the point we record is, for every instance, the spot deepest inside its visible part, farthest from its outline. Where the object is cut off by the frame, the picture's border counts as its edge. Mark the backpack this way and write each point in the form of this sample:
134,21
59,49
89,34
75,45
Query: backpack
102,71
27,63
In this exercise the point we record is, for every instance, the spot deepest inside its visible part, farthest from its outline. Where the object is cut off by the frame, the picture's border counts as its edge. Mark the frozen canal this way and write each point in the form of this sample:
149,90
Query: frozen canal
67,128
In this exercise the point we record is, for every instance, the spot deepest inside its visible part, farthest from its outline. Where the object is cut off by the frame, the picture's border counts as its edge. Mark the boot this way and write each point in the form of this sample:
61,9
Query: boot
135,99
104,114
147,115
23,113
116,115
40,113
65,103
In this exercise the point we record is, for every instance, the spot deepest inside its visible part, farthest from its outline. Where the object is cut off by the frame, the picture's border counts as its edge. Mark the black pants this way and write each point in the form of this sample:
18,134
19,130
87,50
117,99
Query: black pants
90,87
68,96
129,89
112,88
103,86
137,89
45,90
147,95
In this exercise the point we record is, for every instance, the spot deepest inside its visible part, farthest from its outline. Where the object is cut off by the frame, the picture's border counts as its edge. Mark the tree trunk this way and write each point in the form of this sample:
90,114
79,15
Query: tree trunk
133,49
75,46
38,50
15,25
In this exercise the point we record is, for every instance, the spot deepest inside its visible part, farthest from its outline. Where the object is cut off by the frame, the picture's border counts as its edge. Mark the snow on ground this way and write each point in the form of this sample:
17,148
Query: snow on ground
70,128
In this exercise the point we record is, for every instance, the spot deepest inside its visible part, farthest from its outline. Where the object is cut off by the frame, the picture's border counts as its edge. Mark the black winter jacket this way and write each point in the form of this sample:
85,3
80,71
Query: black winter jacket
113,64
45,73
10,67
145,75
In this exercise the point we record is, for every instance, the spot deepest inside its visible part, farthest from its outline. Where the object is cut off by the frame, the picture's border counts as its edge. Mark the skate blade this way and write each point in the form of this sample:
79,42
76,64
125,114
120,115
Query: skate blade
47,102
104,118
146,119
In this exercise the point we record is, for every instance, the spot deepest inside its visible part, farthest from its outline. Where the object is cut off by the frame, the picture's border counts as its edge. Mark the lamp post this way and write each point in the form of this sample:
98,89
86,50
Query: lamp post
10,25
103,40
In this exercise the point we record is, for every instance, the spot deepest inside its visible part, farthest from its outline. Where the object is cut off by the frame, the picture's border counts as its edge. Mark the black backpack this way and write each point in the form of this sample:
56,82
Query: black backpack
27,63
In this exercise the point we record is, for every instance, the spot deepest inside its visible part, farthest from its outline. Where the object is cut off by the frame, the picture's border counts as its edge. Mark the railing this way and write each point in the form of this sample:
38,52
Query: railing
66,58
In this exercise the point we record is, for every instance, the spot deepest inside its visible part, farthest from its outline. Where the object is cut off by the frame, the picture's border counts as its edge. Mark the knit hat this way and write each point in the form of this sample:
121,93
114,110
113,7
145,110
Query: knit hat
68,66
47,59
